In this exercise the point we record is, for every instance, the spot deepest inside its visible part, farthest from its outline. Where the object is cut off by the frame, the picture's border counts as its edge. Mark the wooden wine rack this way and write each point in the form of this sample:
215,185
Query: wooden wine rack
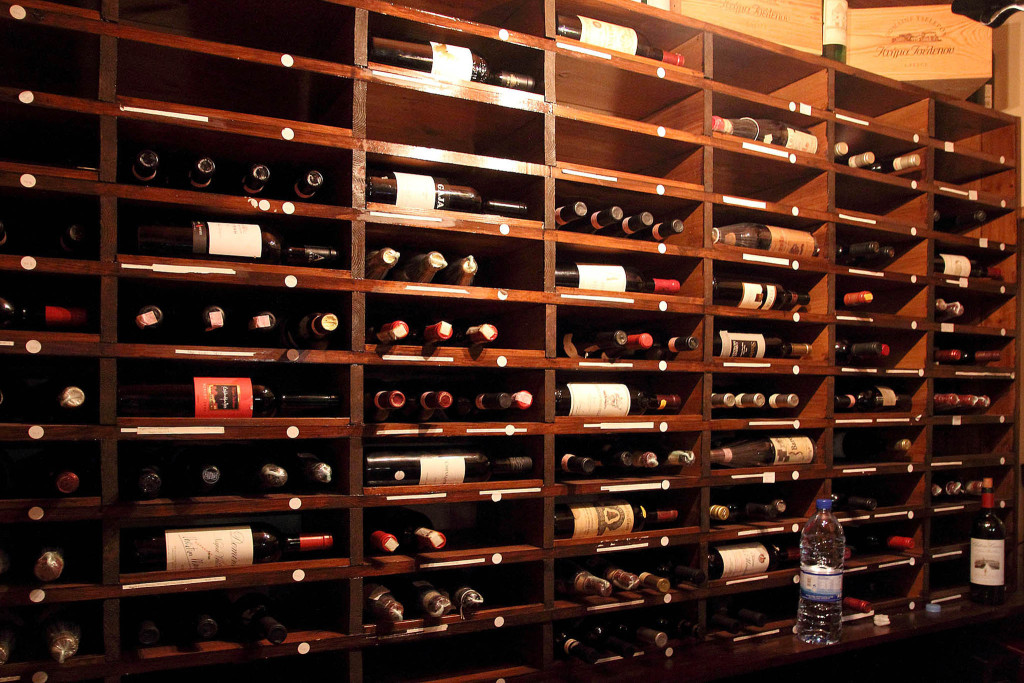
87,83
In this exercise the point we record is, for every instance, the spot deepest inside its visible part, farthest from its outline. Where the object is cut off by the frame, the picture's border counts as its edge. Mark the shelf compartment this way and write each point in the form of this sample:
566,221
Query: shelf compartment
910,385
894,493
768,474
757,180
968,167
788,330
723,214
410,117
815,284
476,15
867,139
907,350
971,127
799,497
35,221
998,369
72,139
893,301
578,323
78,541
911,257
881,99
895,201
997,225
609,480
811,390
847,464
775,603
687,270
1001,391
982,308
77,53
777,74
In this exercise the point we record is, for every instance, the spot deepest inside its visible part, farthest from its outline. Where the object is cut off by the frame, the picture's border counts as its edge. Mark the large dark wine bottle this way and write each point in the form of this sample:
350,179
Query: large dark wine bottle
447,62
768,237
759,296
967,356
769,131
419,468
608,518
988,551
233,240
863,444
601,400
742,559
253,614
416,191
611,279
728,344
956,265
781,450
220,398
217,547
35,317
612,37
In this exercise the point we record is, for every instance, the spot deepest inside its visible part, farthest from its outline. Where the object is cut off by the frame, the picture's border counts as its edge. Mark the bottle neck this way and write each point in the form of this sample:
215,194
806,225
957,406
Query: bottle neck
306,543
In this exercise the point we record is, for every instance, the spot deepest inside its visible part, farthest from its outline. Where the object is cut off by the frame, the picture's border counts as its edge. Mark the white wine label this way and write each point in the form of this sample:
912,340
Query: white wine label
660,4
987,561
208,548
956,265
753,295
745,559
599,400
741,345
604,278
792,450
608,36
888,396
801,141
796,242
451,62
834,22
821,584
594,521
770,293
415,191
235,239
442,469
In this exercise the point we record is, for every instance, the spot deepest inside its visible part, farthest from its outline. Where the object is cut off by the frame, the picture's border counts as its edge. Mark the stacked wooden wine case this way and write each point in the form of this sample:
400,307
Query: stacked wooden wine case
88,83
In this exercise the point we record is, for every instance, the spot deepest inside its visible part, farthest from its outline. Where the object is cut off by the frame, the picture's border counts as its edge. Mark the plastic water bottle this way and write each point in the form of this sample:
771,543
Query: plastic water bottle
820,614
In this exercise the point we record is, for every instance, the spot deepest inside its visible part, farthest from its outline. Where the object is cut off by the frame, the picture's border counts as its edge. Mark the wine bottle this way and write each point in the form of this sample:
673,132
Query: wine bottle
895,164
833,30
663,230
848,351
474,335
572,647
49,564
787,450
959,222
40,400
768,237
598,635
737,512
146,166
465,598
308,184
672,346
874,398
858,253
760,296
381,403
641,634
382,604
419,468
201,172
147,633
212,319
600,400
864,444
768,131
460,272
608,518
431,602
199,477
608,343
311,331
781,401
857,605
219,397
404,529
679,572
612,37
416,191
945,310
267,475
446,62
723,400
742,559
261,324
861,543
861,298
36,317
484,403
255,179
966,356
722,621
389,333
149,482
380,262
611,279
62,637
728,344
955,265
74,240
750,400
572,579
848,502
961,402
255,619
419,267
233,240
854,160
314,470
618,577
577,464
214,547
681,628
629,226
570,212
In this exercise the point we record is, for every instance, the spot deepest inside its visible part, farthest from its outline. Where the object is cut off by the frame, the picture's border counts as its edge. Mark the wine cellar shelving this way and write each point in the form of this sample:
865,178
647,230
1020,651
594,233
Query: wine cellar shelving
89,84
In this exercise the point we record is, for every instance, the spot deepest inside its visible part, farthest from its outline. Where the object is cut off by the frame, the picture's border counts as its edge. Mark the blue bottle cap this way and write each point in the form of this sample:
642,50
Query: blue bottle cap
824,503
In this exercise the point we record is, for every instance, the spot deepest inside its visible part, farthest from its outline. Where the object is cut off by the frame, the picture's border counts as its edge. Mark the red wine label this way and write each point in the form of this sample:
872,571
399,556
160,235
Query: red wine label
59,316
796,242
745,559
604,278
222,397
793,450
451,63
608,36
741,345
594,521
599,400
235,239
987,561
442,470
955,265
415,191
208,548
821,584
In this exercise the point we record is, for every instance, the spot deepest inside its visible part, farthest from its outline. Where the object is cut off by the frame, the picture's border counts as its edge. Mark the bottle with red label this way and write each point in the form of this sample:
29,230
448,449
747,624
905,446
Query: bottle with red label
220,398
967,356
